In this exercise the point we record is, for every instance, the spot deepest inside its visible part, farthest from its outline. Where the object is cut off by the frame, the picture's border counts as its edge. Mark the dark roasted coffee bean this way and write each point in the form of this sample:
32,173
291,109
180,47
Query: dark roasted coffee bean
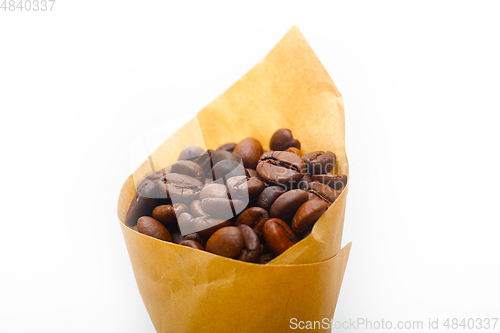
177,237
293,150
192,244
135,228
287,203
265,258
205,162
222,208
251,243
157,174
250,150
268,195
323,192
165,214
189,168
227,242
180,188
206,226
307,233
226,169
227,147
186,223
282,139
244,188
252,216
196,209
319,162
307,214
337,182
281,168
147,197
195,236
304,182
222,155
278,236
191,152
151,227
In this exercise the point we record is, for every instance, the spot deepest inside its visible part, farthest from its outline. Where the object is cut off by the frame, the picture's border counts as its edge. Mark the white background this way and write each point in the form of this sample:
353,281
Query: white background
420,81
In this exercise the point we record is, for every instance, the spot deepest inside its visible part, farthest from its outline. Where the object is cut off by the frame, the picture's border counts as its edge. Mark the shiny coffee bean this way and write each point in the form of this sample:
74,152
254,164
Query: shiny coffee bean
226,169
281,168
204,160
151,227
192,244
227,242
190,152
282,139
167,214
186,223
278,236
222,155
206,226
227,147
222,208
268,195
195,237
252,216
244,188
307,214
180,188
319,162
287,203
265,258
196,209
251,243
293,150
189,168
323,192
304,182
147,197
337,182
135,228
250,150
177,237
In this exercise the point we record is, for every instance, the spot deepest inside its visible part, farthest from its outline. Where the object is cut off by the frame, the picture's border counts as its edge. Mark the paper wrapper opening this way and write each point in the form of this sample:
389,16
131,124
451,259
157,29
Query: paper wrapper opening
187,290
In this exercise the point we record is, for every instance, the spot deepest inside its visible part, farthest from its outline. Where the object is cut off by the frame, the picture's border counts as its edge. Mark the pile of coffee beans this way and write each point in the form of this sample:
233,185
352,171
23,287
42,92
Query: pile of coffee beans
238,201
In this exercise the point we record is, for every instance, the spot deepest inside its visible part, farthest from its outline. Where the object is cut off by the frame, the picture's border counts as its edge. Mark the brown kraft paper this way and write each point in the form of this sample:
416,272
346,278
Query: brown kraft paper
187,290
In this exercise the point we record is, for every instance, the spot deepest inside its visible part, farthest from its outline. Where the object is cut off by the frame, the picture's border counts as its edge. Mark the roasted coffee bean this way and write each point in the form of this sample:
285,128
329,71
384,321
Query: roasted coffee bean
319,162
281,168
251,173
189,168
191,152
265,258
157,174
205,162
323,192
252,216
196,209
222,155
186,223
227,147
214,191
337,182
268,195
250,150
167,214
244,188
151,227
307,233
307,214
206,226
287,203
195,236
192,244
222,208
293,150
226,169
251,243
227,242
180,188
177,237
135,228
278,236
147,197
282,139
304,182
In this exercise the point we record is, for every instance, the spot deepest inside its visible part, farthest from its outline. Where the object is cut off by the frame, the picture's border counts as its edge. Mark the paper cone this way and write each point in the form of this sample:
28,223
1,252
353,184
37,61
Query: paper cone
187,290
